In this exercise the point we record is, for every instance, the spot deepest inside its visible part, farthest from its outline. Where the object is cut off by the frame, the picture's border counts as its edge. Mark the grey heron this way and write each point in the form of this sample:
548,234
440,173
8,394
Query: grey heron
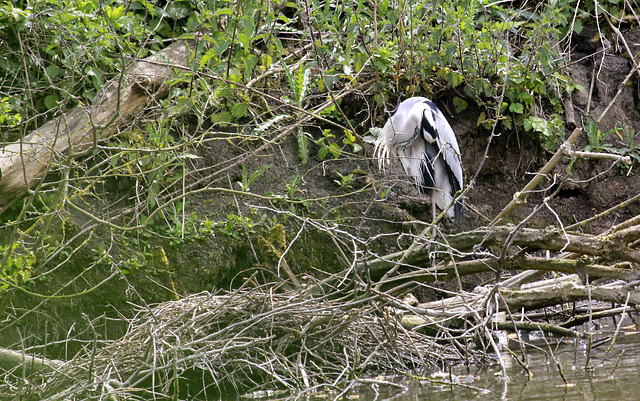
419,135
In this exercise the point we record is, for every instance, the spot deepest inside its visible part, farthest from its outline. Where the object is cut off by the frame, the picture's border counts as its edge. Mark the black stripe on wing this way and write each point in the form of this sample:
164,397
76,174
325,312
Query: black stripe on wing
455,187
435,116
432,152
426,124
426,168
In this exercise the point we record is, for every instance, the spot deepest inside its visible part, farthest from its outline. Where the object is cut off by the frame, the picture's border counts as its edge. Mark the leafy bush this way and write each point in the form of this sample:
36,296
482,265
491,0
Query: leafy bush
260,66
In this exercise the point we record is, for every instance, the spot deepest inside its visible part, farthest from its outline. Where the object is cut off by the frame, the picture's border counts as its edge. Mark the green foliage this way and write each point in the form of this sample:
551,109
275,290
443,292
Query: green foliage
595,137
549,131
17,266
303,146
596,143
328,145
73,47
351,141
237,226
292,187
298,83
480,52
248,180
345,181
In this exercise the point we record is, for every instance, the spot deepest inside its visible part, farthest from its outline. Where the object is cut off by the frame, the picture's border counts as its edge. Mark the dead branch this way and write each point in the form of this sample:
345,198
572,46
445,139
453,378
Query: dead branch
567,289
30,364
586,317
455,312
581,267
536,326
600,156
612,247
24,163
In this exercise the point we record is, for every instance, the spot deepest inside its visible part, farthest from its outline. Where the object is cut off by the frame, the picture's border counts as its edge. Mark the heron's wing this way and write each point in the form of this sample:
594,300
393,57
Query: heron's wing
436,130
450,150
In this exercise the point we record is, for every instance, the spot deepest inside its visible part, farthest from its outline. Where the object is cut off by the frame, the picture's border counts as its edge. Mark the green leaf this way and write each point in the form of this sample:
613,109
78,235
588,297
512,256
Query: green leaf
51,101
516,108
577,26
177,9
239,109
335,150
525,97
113,13
303,147
211,53
481,119
454,79
52,71
460,104
266,60
349,138
224,11
322,153
535,123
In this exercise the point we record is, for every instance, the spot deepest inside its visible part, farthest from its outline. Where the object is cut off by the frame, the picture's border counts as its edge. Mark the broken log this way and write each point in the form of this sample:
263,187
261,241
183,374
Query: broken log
24,163
10,360
453,312
611,247
583,267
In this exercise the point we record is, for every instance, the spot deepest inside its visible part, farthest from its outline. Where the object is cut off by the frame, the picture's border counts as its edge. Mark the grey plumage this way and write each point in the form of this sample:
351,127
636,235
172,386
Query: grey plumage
419,135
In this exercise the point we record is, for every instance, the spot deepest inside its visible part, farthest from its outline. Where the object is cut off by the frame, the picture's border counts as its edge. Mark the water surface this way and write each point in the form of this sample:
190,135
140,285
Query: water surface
608,373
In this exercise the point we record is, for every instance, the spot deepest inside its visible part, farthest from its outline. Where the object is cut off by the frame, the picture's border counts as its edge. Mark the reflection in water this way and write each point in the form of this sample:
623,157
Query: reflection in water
612,373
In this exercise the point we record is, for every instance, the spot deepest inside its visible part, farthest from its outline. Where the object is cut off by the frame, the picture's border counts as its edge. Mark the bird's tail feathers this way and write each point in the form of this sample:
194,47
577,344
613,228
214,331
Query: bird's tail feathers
444,199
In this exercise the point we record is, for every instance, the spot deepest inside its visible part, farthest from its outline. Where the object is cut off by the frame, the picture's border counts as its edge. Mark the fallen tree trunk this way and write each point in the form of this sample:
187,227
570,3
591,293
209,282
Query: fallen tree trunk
24,163
614,246
567,289
581,267
453,312
30,364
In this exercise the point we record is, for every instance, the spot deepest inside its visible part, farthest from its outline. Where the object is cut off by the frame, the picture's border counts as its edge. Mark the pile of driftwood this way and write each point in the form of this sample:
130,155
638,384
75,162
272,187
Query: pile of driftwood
206,344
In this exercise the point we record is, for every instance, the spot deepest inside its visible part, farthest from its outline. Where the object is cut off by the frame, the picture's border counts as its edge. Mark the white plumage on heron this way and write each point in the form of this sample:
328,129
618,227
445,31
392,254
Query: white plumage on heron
419,135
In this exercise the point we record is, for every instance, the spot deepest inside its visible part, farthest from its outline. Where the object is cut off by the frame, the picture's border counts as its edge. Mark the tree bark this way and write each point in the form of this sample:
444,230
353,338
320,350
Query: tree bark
454,311
611,247
10,359
24,163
